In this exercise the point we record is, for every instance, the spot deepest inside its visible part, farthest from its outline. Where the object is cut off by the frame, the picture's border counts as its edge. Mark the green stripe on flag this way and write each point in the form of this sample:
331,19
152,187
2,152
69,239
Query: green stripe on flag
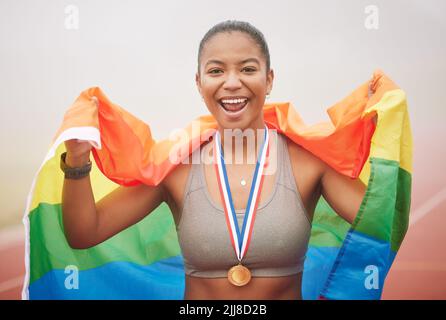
148,241
384,210
402,209
328,229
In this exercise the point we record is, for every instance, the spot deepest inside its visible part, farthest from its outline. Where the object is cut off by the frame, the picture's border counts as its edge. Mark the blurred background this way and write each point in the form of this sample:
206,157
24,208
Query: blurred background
143,55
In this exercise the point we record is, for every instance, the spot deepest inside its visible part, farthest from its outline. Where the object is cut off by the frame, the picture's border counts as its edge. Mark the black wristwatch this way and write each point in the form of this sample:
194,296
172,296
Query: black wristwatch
74,173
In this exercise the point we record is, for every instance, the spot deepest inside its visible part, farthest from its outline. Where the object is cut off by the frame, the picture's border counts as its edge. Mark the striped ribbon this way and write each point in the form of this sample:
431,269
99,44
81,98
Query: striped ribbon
241,238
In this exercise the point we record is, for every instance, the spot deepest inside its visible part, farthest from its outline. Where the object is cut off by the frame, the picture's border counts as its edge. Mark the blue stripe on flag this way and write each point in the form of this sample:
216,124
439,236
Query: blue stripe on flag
360,270
116,280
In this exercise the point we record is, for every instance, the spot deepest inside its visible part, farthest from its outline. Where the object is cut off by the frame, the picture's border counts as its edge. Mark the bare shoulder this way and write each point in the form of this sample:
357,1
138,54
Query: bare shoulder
303,158
178,174
175,184
307,171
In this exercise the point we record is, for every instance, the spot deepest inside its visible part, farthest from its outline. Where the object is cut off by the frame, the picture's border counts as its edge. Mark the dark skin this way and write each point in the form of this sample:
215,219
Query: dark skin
90,224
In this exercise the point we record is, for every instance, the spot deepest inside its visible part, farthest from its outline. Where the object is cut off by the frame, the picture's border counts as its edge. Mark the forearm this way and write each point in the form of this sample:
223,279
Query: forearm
78,207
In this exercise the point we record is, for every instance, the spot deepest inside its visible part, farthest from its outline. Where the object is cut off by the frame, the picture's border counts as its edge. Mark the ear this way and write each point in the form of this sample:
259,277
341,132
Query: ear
198,82
269,80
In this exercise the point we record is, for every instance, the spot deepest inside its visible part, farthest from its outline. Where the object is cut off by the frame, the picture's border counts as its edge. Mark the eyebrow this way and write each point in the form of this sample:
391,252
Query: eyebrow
241,62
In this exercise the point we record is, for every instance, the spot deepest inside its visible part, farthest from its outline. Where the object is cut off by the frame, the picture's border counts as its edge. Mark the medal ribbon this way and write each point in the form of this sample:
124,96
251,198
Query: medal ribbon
240,239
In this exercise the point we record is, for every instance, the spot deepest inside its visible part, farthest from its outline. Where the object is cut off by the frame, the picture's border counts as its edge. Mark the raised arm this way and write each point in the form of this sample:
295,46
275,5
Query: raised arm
87,223
344,194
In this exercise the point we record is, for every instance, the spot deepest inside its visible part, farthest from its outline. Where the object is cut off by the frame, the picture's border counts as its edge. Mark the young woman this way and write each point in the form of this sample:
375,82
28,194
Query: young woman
233,78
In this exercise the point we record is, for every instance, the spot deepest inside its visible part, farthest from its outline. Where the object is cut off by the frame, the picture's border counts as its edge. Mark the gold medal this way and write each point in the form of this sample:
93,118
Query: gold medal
239,275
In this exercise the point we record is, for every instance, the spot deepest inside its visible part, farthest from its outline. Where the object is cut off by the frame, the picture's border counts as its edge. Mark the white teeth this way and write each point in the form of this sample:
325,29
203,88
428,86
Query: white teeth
234,100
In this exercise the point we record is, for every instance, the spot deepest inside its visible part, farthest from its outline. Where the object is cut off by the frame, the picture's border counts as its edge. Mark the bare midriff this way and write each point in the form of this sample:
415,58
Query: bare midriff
259,288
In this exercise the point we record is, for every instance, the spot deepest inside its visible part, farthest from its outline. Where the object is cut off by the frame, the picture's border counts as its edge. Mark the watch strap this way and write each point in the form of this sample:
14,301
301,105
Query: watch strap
76,172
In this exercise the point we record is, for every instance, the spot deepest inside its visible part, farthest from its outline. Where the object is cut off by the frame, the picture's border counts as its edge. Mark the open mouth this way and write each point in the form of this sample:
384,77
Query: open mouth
233,105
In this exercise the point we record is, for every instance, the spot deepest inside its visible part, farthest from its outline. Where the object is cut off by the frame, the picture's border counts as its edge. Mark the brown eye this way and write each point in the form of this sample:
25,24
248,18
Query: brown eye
249,69
214,71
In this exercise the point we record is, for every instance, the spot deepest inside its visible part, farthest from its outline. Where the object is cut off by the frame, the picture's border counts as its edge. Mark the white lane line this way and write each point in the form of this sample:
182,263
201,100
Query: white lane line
427,207
11,284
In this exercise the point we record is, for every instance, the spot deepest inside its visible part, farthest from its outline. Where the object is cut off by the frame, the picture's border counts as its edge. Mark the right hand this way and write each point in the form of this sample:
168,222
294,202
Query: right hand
78,152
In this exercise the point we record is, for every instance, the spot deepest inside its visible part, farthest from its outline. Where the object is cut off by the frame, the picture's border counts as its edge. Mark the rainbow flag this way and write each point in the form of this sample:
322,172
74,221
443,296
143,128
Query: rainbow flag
144,261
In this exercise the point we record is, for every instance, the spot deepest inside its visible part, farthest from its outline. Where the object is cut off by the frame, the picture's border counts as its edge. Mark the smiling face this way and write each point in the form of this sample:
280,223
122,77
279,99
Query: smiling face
233,80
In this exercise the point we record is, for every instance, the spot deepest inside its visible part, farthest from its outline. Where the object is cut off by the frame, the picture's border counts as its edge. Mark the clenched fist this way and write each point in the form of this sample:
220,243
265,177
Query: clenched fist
78,152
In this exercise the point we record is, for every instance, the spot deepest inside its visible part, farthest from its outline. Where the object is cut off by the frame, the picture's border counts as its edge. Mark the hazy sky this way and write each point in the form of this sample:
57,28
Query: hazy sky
143,55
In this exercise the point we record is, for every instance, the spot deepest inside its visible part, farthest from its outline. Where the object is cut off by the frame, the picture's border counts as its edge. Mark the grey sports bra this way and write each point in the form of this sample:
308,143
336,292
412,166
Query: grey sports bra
280,235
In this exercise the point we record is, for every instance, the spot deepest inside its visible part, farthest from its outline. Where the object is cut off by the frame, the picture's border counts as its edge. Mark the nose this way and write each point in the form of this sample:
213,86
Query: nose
232,82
